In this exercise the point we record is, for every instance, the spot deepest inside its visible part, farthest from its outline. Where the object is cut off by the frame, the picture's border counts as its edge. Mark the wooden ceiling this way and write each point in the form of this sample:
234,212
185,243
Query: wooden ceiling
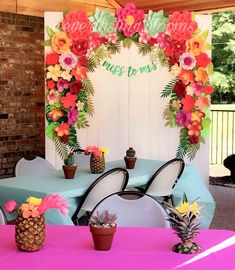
170,6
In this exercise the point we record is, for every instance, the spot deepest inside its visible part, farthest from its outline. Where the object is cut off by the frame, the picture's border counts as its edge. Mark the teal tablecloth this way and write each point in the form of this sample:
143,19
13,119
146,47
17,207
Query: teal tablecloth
19,188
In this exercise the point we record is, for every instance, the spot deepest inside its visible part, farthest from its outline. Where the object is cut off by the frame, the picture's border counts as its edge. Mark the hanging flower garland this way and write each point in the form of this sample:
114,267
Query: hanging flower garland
79,44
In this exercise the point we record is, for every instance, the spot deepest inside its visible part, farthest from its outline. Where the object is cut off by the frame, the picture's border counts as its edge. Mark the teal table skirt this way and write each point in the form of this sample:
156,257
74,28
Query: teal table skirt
40,185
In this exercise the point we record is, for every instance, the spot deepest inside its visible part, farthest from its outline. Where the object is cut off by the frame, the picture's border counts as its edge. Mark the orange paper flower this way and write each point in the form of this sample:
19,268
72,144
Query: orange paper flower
194,129
201,75
188,103
79,72
203,102
62,130
196,45
60,42
197,116
186,76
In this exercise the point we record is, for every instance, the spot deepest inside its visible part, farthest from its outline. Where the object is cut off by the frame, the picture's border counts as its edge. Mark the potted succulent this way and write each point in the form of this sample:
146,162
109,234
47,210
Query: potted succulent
103,226
69,166
130,158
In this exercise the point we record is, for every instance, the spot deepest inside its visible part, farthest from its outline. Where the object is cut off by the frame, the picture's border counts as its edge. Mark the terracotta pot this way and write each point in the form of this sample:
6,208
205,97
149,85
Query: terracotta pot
130,162
69,171
102,237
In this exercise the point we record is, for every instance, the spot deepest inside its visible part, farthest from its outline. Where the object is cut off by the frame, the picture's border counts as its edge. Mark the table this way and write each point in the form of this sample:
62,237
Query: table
69,247
19,188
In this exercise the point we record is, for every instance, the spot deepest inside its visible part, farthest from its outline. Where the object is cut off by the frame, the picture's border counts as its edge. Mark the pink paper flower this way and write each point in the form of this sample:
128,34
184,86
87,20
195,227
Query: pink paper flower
68,60
94,40
183,118
62,84
10,206
198,88
53,97
94,150
187,61
72,116
163,40
112,37
53,201
130,20
144,37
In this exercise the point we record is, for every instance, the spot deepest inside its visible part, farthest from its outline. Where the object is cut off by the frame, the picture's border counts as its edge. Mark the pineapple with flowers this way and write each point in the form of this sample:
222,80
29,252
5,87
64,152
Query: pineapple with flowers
184,220
30,221
97,161
103,226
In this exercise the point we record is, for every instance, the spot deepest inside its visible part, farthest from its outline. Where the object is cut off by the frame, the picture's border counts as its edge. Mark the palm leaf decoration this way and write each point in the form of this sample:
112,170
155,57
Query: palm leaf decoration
157,54
144,49
88,86
192,150
127,42
91,66
114,48
183,144
169,116
169,89
61,148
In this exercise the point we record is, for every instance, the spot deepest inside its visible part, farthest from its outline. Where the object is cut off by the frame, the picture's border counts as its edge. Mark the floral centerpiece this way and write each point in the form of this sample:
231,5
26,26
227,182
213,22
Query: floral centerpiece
30,221
97,161
103,227
184,220
79,44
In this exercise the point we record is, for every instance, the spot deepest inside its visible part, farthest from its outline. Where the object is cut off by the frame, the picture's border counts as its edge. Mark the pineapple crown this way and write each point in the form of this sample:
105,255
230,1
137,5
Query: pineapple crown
103,219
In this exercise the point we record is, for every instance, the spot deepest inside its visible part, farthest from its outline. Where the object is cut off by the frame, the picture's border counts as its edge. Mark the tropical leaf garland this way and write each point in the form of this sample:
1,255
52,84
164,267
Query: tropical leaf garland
169,89
114,48
144,49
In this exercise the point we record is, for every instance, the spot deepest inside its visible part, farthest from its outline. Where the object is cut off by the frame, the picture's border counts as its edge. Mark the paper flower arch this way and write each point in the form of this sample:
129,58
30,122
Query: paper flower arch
80,42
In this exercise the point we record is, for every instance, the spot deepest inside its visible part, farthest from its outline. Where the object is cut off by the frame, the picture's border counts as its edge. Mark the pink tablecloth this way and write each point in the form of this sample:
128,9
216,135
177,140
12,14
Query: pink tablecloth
70,247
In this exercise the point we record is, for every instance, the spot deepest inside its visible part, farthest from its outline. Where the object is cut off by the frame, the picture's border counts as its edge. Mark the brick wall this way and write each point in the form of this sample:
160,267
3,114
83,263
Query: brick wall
21,89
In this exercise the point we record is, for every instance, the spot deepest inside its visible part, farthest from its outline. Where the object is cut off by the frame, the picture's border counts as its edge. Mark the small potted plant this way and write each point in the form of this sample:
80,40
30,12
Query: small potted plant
130,158
69,166
103,227
97,161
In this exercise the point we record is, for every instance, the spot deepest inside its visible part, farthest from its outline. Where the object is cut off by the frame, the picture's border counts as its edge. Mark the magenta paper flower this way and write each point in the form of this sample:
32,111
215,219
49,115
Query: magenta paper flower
163,40
10,206
53,201
130,20
68,60
62,84
198,88
144,37
187,61
72,116
94,40
183,118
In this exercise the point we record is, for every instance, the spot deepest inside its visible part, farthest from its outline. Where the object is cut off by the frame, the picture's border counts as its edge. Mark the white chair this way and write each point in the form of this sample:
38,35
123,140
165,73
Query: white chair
30,165
140,210
82,159
110,182
164,179
3,219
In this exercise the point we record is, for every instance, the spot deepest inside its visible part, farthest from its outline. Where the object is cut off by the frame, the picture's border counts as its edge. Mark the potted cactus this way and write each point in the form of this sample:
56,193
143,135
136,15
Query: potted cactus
103,226
130,158
69,166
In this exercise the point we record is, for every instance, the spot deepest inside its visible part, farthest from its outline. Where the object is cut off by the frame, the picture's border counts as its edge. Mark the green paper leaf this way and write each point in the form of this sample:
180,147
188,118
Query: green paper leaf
205,34
127,43
50,130
50,32
210,68
47,43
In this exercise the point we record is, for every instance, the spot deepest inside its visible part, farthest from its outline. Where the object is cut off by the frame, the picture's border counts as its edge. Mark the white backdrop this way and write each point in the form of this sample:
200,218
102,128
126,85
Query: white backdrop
128,111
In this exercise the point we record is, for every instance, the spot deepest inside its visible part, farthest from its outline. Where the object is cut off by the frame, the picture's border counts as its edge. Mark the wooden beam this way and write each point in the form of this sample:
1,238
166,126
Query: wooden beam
114,4
215,10
37,8
8,6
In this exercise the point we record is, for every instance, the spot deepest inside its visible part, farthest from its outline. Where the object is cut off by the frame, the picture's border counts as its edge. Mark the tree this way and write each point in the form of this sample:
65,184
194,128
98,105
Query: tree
223,55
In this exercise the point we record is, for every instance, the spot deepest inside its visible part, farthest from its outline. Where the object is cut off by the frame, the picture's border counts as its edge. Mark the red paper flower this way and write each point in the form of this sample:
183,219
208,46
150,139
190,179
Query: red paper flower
79,72
75,87
193,139
83,60
130,20
79,47
174,50
181,26
69,100
188,103
203,60
179,89
52,59
194,128
77,25
94,40
208,89
186,76
51,84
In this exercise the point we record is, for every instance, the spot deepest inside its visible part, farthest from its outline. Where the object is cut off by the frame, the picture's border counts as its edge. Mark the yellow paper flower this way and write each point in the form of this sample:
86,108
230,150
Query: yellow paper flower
54,72
186,207
201,75
34,200
176,70
104,150
190,91
196,45
61,43
80,105
66,75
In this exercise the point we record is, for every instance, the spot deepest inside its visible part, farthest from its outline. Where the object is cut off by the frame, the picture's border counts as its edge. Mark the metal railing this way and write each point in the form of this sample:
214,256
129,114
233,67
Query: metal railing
222,136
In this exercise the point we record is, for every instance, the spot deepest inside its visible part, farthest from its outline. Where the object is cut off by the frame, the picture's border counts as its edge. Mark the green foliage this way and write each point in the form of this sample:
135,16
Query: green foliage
192,150
114,48
169,116
50,32
169,89
82,121
88,86
61,149
127,42
223,55
183,144
158,54
144,49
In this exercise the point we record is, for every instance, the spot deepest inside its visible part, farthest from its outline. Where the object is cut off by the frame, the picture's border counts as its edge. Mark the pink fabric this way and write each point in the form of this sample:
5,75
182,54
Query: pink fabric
70,247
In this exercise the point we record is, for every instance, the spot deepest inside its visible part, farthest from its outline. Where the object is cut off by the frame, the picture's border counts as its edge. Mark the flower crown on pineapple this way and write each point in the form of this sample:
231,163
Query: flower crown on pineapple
96,151
35,207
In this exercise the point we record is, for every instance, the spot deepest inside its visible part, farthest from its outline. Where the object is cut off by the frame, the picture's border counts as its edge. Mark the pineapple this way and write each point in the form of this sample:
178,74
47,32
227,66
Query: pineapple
97,164
185,221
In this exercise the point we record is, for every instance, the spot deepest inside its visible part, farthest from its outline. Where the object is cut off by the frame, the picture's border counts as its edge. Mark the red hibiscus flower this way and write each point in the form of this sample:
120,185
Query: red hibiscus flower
94,40
77,25
69,100
181,26
79,72
83,60
208,89
174,49
203,60
188,103
52,59
75,87
186,76
79,47
193,139
179,89
51,84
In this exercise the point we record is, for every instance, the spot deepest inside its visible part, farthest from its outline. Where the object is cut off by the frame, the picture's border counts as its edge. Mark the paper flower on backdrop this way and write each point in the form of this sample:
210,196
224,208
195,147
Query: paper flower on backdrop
53,97
103,22
69,101
60,42
154,23
196,45
68,61
62,130
79,72
51,84
203,60
183,118
129,20
188,103
112,38
186,76
62,84
72,116
79,47
187,61
55,114
54,72
77,25
75,87
52,59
